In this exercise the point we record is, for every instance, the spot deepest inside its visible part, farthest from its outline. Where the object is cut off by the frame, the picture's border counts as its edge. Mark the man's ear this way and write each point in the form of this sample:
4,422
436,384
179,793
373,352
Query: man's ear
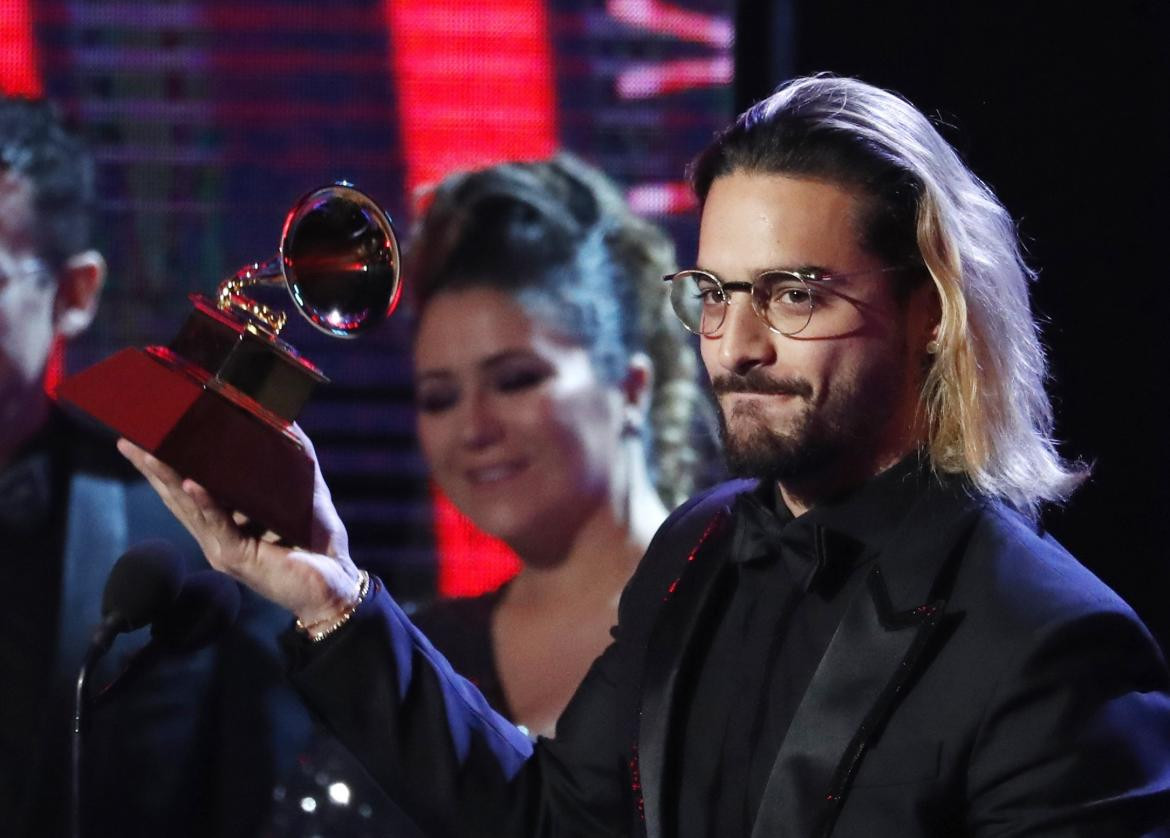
935,324
925,317
79,286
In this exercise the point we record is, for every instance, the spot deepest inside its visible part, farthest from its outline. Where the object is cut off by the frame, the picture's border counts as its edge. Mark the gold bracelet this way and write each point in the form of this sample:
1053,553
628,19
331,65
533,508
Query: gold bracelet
316,635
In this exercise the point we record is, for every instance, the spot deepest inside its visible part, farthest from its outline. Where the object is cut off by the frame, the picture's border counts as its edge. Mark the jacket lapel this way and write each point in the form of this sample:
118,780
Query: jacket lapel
683,610
876,650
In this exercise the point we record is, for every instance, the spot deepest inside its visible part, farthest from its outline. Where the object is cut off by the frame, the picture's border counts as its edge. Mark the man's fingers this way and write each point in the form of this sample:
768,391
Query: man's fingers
161,477
230,530
190,503
202,500
238,546
183,497
304,439
129,450
252,529
146,462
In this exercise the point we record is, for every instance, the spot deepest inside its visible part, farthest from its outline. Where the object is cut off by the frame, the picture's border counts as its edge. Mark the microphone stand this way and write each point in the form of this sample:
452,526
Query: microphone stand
103,638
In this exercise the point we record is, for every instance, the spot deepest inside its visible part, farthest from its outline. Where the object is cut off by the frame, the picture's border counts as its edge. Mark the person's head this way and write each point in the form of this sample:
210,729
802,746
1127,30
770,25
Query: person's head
49,278
929,337
548,365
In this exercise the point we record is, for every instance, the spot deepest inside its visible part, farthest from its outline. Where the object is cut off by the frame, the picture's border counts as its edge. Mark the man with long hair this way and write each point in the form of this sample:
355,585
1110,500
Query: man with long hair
868,636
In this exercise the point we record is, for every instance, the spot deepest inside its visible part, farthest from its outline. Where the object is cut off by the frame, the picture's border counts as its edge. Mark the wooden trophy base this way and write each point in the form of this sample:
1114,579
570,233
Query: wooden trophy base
244,454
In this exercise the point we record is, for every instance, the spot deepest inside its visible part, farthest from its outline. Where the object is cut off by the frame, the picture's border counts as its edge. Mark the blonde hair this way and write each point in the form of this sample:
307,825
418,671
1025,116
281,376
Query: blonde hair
987,412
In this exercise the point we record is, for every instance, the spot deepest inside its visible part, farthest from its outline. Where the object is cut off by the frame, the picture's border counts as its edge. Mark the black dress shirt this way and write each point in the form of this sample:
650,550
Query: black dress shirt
785,586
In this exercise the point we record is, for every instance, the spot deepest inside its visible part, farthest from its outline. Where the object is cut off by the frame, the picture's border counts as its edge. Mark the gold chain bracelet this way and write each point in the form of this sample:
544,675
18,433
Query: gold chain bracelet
316,635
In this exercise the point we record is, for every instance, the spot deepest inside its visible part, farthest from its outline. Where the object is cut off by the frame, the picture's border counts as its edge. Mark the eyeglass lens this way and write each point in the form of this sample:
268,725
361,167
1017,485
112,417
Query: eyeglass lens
783,300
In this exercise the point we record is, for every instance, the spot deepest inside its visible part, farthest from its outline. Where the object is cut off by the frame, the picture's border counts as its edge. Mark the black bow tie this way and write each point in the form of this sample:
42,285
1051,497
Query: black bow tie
759,533
820,557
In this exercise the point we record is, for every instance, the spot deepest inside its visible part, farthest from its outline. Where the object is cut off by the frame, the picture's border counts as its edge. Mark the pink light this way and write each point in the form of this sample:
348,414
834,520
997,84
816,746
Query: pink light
55,367
475,86
470,561
648,80
18,59
475,83
661,198
667,19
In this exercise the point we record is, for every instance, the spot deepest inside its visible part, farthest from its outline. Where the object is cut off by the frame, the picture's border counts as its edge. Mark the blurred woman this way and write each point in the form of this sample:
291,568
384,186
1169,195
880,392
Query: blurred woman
555,397
558,409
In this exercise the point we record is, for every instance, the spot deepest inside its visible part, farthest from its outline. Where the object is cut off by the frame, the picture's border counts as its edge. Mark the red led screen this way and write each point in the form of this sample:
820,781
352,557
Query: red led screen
19,74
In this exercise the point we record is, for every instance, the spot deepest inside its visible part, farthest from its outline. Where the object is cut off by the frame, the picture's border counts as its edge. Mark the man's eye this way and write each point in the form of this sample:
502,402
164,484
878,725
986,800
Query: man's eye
711,295
791,295
436,400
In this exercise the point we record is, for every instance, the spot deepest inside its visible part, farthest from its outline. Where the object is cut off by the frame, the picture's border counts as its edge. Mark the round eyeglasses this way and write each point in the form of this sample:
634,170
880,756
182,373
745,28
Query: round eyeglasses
786,300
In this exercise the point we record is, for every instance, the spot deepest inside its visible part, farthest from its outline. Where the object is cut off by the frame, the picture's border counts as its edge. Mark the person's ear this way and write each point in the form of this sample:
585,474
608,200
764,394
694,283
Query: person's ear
636,389
79,286
932,344
925,318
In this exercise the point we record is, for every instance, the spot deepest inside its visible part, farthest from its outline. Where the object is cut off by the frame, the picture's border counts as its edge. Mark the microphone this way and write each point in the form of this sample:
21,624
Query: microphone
207,605
143,583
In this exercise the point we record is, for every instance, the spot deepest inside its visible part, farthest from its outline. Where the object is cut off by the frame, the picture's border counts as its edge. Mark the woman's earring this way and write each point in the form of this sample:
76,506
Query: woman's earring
932,347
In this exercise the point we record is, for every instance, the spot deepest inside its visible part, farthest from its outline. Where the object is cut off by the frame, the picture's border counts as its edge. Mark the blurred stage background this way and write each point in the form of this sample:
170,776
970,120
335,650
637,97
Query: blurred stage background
209,118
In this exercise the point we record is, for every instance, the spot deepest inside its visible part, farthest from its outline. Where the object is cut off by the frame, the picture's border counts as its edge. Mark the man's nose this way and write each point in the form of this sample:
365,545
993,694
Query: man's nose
745,341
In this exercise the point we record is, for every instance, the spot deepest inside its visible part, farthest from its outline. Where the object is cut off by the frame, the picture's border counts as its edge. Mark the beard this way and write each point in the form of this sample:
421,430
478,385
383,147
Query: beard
753,449
846,425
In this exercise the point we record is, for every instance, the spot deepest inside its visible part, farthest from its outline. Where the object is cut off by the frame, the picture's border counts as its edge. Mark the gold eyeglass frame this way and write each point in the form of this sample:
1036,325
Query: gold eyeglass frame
804,276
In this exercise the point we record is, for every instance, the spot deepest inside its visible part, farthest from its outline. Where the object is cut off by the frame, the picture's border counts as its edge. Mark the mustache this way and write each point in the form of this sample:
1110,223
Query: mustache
758,382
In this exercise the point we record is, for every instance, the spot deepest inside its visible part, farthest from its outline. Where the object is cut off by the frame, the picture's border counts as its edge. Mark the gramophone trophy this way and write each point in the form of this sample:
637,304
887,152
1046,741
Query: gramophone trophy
218,403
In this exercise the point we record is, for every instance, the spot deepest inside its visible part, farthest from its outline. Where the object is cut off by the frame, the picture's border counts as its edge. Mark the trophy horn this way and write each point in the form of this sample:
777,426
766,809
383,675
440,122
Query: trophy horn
339,260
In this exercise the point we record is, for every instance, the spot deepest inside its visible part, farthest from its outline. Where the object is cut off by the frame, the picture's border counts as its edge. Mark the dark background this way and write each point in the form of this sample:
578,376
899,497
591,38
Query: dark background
1065,114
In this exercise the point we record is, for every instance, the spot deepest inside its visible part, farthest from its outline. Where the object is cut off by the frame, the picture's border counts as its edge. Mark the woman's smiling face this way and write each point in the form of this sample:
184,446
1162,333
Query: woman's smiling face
518,429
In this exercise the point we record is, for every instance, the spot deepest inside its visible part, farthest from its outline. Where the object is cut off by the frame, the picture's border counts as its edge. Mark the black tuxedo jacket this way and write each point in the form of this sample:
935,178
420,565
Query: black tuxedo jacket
981,682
